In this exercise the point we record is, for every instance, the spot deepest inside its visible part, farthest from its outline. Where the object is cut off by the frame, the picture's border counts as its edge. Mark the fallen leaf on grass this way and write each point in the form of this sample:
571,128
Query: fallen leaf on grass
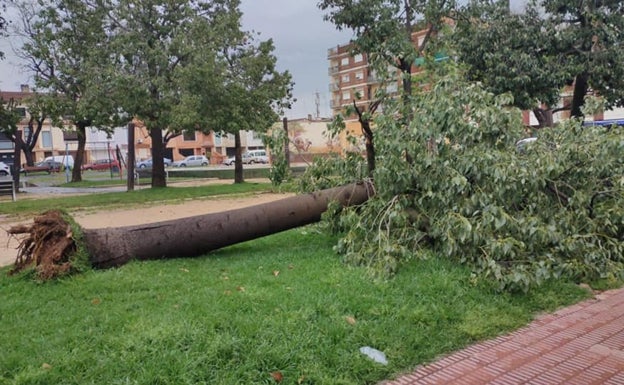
95,301
275,273
241,289
277,376
184,270
350,320
46,366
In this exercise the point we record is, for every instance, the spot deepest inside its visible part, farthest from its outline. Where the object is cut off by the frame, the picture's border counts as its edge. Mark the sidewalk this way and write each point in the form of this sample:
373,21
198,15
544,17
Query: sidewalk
579,345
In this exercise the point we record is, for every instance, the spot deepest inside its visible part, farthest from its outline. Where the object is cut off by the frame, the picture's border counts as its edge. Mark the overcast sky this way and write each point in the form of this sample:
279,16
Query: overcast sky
301,38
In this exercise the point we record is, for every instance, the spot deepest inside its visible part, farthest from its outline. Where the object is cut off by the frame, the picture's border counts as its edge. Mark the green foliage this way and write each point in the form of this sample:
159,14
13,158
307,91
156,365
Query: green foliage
277,142
554,210
281,303
551,44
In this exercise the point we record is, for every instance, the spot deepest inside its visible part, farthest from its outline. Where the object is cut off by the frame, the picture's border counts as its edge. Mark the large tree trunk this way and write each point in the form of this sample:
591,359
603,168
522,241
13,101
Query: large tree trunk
159,178
581,86
238,160
186,237
81,130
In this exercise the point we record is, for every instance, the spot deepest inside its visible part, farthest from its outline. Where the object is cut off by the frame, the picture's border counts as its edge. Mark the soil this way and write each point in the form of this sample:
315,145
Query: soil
136,216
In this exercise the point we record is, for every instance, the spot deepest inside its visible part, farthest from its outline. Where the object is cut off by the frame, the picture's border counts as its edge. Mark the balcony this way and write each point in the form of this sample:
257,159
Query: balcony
335,104
334,87
332,52
333,70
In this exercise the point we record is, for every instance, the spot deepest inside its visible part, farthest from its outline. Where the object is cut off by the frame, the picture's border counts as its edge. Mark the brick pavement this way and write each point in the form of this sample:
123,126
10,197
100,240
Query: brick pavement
578,345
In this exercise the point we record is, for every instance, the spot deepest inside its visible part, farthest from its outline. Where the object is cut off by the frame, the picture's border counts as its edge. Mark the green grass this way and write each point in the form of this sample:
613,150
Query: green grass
280,303
127,198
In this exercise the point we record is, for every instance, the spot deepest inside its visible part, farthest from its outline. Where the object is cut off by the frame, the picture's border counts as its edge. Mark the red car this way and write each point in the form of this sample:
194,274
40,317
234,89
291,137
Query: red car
102,164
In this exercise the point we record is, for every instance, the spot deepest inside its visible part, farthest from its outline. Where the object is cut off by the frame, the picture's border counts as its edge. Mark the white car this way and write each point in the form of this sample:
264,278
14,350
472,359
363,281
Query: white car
4,169
190,161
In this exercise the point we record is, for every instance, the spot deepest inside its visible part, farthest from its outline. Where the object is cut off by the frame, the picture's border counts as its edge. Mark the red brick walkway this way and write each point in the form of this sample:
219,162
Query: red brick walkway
580,345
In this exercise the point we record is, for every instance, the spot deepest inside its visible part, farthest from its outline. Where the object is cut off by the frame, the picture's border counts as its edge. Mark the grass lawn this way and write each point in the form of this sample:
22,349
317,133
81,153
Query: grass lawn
283,303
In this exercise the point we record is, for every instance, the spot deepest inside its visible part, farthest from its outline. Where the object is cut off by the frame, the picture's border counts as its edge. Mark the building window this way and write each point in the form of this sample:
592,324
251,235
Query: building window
218,138
346,95
346,78
189,136
21,111
392,88
344,61
46,139
359,75
360,93
358,58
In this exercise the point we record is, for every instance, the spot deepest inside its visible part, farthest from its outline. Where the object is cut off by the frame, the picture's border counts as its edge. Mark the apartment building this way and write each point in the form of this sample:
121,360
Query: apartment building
353,80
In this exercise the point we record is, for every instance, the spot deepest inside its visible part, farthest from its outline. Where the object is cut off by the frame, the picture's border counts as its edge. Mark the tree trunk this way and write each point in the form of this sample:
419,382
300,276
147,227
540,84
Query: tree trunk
81,129
186,237
158,153
544,117
578,98
29,143
197,235
367,131
238,160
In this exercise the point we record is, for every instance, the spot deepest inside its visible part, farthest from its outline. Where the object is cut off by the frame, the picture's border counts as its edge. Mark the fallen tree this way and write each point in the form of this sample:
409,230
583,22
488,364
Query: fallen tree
53,241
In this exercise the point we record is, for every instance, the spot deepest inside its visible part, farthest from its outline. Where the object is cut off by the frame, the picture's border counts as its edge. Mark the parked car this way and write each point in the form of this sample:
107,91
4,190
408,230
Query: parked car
231,160
45,166
190,161
147,163
102,164
4,169
255,156
65,160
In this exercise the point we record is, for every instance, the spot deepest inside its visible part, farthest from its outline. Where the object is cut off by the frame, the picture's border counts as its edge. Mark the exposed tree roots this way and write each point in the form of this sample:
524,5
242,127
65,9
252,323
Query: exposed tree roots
48,245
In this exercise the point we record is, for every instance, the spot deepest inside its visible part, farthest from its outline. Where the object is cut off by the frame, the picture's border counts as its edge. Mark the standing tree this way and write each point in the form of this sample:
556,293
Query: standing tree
535,54
63,48
384,31
244,92
154,44
40,109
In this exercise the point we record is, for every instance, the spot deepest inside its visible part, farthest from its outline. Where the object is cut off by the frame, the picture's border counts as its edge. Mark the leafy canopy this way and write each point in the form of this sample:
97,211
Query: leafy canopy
534,54
520,218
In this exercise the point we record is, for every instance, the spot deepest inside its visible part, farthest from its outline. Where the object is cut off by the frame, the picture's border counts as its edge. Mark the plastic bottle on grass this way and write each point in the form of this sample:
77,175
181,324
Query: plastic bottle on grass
374,355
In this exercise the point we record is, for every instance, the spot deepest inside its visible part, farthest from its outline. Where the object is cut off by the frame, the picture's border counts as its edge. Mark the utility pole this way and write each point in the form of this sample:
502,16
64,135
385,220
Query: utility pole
317,101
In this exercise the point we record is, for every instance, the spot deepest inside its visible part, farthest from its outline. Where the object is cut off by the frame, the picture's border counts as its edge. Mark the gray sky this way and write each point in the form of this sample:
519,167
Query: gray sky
301,38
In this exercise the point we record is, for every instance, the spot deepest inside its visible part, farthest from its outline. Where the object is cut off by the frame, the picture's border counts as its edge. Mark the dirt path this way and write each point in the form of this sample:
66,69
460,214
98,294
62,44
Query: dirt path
140,215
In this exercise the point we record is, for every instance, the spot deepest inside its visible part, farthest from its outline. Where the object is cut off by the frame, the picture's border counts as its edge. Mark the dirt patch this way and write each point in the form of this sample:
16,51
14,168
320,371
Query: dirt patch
139,215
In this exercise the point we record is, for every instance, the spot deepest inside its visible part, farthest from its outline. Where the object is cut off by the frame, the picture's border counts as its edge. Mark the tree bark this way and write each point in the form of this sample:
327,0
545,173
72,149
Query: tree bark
238,159
51,246
198,235
81,129
158,153
578,98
